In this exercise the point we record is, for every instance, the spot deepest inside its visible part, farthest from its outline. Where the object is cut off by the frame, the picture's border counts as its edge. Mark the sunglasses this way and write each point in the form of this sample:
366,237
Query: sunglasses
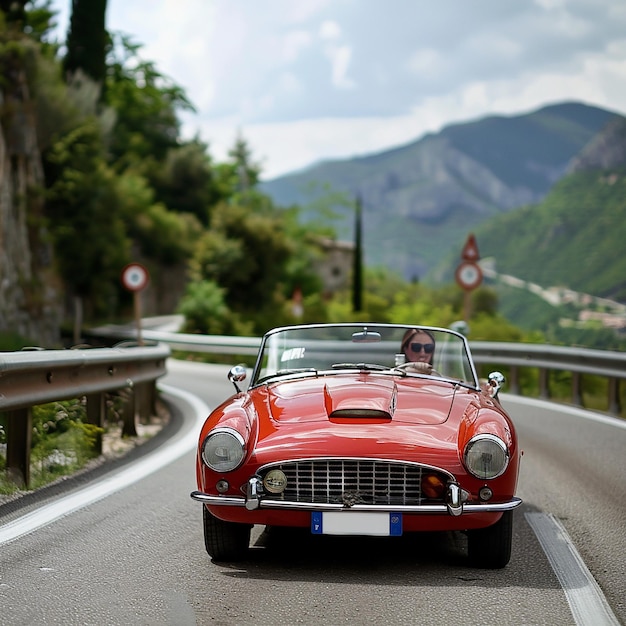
429,348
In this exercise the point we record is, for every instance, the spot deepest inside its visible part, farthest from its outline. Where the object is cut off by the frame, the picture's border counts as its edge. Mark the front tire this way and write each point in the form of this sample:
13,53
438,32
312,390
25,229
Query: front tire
225,541
490,548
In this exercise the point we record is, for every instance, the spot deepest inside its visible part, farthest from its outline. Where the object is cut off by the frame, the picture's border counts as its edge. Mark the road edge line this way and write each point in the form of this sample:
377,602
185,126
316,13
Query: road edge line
584,596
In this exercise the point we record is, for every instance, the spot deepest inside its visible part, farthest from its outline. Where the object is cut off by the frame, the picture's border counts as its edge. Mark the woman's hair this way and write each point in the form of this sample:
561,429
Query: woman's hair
410,333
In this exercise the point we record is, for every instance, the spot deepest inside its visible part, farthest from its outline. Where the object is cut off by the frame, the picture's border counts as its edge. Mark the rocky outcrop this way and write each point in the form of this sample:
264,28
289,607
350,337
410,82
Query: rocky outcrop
28,291
605,151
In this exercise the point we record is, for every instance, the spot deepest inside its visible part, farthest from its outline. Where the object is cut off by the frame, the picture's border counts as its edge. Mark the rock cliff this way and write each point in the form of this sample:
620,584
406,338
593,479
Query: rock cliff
29,297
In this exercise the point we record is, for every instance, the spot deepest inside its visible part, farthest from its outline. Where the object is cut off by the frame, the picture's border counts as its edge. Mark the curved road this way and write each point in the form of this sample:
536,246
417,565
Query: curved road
129,549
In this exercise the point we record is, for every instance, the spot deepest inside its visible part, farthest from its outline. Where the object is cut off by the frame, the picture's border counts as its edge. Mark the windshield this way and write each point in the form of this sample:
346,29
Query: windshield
332,347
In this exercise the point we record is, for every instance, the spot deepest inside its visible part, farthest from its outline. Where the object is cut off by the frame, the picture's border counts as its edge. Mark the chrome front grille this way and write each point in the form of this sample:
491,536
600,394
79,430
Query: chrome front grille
354,481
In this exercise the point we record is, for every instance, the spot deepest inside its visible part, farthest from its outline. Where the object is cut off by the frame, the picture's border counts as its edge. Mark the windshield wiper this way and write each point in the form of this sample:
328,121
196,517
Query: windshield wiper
288,372
359,366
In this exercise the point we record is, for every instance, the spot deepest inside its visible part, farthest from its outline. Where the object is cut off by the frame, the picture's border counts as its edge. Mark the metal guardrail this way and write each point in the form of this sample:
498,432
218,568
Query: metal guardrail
32,377
546,358
213,344
582,360
515,356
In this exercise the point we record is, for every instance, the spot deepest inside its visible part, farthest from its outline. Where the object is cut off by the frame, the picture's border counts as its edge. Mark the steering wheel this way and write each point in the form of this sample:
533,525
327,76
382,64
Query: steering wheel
419,367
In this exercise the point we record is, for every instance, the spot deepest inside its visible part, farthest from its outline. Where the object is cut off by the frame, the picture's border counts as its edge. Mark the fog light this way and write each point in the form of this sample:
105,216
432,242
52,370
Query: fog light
275,481
433,487
485,494
222,486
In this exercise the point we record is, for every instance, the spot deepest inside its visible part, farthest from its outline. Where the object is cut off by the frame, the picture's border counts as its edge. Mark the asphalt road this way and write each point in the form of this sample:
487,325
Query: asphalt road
136,555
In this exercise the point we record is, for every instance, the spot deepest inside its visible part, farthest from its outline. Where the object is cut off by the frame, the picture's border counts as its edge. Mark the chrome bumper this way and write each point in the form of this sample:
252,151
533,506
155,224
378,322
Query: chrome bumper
455,506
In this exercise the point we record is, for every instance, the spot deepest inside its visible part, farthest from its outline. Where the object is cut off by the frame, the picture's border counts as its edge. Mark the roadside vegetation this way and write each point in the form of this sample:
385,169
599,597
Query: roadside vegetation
63,442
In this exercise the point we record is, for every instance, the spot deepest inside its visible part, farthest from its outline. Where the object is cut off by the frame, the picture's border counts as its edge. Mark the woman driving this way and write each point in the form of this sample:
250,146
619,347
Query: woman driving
418,346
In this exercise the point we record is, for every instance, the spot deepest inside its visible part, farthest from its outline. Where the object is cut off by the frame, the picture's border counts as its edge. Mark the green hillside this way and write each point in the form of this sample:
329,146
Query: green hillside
575,238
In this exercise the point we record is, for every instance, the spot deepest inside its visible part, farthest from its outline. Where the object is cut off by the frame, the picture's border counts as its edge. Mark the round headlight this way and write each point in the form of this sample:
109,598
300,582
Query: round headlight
223,450
486,456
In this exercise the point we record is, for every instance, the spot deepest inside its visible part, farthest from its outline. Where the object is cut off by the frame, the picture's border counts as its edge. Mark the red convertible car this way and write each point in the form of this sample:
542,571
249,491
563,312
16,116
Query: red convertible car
360,429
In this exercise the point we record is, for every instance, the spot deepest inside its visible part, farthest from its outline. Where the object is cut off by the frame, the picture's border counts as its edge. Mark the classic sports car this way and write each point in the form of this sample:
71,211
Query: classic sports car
360,429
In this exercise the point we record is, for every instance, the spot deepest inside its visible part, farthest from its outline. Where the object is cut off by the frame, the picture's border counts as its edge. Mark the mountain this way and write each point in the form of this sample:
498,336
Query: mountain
421,200
575,237
607,150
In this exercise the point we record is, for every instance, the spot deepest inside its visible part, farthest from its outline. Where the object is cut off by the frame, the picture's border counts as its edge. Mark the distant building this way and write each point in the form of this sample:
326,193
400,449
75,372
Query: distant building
334,265
608,320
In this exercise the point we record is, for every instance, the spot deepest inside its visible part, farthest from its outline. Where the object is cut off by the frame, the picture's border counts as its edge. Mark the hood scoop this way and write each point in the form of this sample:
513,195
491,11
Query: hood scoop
359,413
372,401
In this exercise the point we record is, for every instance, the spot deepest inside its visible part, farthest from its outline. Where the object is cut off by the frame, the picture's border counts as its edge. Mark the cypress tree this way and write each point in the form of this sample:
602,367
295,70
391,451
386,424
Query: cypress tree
87,40
14,11
357,273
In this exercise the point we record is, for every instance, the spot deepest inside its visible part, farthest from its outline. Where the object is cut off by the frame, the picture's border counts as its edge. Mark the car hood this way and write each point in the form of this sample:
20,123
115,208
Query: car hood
409,418
361,397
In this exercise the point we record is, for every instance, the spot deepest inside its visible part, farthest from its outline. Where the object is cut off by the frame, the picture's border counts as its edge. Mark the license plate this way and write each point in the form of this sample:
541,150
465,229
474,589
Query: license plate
356,523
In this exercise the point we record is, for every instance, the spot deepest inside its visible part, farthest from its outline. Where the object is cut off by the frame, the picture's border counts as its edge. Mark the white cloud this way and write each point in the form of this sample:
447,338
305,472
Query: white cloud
340,62
294,43
426,62
298,12
338,54
329,29
550,5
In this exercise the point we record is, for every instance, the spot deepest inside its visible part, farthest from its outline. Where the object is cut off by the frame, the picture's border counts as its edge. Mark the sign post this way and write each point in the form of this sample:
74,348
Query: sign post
135,278
468,274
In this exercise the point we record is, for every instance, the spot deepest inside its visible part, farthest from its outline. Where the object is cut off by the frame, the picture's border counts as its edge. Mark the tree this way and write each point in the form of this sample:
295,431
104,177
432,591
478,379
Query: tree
246,171
357,272
205,311
14,11
244,253
185,181
146,104
83,217
87,40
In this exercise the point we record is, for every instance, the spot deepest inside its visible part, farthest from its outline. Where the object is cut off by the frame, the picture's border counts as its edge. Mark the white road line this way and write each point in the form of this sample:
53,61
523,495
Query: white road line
584,596
571,410
61,507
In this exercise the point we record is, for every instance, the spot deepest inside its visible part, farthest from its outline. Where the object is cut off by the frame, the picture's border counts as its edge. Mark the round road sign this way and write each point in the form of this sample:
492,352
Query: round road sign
135,277
468,275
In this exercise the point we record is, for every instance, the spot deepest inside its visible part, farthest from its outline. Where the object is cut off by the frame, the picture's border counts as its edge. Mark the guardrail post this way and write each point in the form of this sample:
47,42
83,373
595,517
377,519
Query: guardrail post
615,405
19,434
96,411
577,389
144,401
544,383
516,388
129,429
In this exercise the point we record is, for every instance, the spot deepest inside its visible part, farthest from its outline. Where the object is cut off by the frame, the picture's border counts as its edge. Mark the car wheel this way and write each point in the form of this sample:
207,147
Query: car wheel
490,548
225,541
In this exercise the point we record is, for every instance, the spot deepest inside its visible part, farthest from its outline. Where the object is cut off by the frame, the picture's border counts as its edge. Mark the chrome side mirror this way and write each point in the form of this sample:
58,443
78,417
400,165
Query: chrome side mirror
495,380
236,375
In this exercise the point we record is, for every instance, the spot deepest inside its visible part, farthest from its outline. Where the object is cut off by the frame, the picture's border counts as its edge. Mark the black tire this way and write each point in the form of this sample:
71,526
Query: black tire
225,541
490,548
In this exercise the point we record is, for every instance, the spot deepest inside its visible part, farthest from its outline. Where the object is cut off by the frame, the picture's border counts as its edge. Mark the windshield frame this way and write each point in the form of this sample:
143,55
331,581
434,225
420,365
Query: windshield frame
452,352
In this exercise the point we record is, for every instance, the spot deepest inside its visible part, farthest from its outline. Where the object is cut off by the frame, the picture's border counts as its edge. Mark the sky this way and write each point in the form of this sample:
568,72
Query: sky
309,80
